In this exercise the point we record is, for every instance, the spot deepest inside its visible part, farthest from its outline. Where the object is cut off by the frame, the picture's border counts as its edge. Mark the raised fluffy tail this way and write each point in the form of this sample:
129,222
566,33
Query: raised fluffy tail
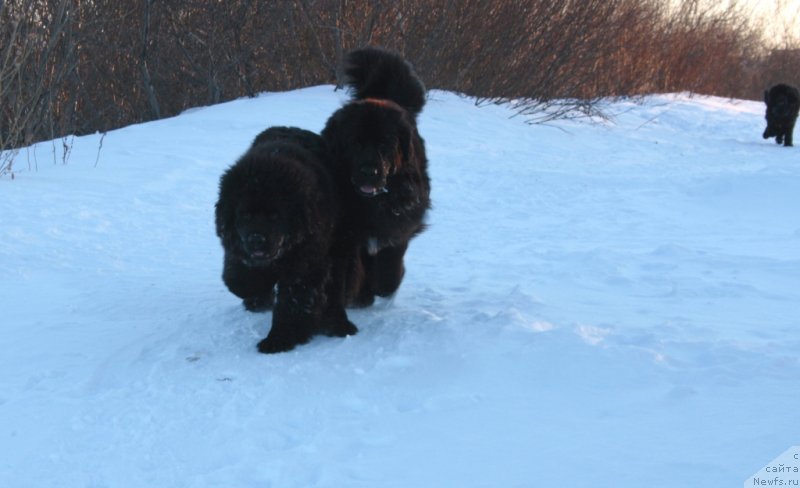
376,73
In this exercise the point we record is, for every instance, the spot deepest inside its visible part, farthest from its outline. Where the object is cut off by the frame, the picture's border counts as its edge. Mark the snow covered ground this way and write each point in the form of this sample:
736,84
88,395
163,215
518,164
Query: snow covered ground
608,304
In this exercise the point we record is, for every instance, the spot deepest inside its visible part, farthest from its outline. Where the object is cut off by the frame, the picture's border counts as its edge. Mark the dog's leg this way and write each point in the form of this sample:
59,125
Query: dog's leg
253,285
787,140
362,286
296,315
334,320
389,270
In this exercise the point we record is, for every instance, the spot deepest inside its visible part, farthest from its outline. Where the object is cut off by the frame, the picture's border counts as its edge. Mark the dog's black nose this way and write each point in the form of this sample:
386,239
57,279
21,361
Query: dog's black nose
256,240
368,170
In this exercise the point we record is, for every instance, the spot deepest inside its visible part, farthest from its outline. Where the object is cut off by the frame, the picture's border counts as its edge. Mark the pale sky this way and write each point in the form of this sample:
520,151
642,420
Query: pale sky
779,15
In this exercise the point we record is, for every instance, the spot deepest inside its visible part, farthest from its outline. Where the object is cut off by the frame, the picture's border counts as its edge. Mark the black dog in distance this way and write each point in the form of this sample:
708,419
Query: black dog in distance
783,104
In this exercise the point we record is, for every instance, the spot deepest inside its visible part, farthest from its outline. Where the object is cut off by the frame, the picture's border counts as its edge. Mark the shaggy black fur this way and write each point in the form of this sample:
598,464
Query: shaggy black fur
276,216
783,104
379,161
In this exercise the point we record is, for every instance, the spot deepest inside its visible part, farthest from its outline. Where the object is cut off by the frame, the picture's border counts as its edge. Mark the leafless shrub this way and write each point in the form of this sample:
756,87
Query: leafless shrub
33,34
81,66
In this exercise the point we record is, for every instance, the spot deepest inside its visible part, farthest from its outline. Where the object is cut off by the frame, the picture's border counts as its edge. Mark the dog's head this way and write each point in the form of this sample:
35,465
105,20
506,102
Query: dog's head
782,102
370,168
262,230
371,142
270,204
780,106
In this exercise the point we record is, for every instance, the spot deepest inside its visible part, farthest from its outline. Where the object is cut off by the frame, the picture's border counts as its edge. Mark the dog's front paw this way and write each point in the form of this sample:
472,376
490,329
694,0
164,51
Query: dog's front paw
342,329
281,342
272,345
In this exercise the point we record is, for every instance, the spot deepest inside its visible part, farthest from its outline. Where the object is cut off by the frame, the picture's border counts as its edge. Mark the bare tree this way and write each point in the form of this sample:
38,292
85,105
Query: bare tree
147,80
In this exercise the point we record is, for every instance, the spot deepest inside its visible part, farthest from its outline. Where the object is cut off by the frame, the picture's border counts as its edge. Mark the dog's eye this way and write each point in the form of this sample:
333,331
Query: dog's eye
368,170
246,217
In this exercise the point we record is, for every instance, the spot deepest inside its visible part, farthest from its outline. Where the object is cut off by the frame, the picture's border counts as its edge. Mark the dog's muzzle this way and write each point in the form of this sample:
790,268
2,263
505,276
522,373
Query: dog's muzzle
259,253
372,191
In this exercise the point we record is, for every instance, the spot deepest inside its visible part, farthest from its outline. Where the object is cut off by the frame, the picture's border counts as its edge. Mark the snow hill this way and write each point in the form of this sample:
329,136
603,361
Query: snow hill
595,304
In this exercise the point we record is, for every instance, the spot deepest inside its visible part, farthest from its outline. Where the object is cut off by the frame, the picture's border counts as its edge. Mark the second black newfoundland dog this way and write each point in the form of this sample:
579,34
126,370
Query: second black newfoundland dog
379,160
783,104
276,215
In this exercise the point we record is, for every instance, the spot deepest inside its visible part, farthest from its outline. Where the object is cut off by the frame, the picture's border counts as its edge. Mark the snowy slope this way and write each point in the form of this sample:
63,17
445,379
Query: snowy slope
608,304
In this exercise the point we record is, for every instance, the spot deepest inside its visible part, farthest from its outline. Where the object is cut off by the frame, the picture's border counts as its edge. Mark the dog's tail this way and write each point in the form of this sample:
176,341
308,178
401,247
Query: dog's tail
376,73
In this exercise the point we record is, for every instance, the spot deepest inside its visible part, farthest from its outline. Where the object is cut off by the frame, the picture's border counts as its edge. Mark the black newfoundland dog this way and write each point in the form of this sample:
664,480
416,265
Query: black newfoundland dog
783,104
276,215
379,162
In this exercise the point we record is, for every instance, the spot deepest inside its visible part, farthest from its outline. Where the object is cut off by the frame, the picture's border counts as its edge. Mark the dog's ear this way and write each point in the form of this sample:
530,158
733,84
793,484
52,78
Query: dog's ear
405,145
226,224
766,97
231,183
332,134
222,214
